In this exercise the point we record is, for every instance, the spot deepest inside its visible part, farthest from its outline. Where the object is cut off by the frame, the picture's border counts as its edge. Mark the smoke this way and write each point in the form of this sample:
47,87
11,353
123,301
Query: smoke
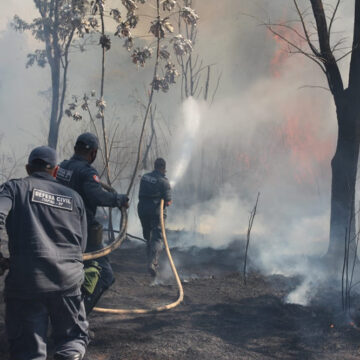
265,132
272,129
183,144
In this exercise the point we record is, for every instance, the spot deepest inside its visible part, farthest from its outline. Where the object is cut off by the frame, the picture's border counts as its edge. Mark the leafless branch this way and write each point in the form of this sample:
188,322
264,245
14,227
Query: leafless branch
251,221
333,17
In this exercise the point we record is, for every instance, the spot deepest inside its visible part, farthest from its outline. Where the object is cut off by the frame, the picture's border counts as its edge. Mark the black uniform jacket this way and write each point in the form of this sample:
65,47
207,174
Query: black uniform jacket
78,174
154,186
47,230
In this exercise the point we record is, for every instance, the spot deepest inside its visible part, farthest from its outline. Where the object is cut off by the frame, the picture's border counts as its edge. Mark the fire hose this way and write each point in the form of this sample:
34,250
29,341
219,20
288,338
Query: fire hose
4,262
116,243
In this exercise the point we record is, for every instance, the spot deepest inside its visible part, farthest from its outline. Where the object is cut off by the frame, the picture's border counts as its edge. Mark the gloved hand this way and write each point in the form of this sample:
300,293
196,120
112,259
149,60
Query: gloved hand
4,264
122,200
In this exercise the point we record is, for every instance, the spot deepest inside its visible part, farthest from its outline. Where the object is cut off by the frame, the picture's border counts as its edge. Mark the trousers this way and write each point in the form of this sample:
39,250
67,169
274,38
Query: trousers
27,322
106,279
150,223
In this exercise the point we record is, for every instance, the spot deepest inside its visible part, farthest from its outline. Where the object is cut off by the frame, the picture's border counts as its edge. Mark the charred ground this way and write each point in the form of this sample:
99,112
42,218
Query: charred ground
220,318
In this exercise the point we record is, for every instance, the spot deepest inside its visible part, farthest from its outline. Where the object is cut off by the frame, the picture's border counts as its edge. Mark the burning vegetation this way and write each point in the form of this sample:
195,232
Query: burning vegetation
255,286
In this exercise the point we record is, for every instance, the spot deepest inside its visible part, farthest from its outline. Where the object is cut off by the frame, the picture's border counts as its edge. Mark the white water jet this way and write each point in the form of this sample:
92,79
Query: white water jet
185,141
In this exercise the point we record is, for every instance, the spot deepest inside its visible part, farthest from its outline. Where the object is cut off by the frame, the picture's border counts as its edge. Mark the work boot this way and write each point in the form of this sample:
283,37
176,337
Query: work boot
76,356
152,269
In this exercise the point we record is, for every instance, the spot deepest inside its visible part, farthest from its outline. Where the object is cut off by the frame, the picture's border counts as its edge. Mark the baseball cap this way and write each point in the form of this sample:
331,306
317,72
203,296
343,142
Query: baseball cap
44,153
89,140
160,163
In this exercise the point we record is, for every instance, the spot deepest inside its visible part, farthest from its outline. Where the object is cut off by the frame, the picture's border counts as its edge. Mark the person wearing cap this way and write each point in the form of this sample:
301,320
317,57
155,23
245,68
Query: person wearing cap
78,174
47,232
154,186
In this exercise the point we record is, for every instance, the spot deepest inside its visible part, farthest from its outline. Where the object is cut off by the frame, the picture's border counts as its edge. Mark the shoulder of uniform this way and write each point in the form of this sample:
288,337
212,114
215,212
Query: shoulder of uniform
77,197
69,192
163,178
11,183
18,181
64,162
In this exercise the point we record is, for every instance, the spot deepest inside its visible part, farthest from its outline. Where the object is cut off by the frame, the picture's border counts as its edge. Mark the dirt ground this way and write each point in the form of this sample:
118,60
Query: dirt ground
220,318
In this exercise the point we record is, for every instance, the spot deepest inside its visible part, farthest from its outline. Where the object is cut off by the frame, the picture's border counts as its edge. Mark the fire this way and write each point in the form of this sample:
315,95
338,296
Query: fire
280,56
294,139
245,160
283,48
308,151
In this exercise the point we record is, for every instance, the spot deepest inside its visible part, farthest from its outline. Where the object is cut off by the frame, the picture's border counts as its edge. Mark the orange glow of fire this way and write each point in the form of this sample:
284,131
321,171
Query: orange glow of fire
282,50
280,56
307,150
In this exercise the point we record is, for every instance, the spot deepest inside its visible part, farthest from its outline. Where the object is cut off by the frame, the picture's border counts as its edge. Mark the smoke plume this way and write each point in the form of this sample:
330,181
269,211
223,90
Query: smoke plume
270,129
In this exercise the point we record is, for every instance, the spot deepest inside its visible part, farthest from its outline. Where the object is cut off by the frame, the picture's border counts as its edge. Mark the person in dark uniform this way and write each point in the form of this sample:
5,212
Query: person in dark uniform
154,186
47,231
78,174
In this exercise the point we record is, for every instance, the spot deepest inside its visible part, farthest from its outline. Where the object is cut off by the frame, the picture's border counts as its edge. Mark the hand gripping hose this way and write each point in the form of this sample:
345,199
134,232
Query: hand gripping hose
119,239
115,244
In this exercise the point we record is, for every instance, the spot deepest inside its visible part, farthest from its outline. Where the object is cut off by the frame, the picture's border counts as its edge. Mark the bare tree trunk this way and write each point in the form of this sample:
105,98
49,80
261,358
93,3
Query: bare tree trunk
344,173
55,83
55,64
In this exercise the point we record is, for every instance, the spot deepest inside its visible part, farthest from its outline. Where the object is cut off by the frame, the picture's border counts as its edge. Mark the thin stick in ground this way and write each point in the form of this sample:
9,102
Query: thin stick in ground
251,222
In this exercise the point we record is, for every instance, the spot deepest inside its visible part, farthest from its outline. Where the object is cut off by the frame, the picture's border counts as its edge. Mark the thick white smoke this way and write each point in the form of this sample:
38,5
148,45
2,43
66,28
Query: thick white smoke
263,133
184,140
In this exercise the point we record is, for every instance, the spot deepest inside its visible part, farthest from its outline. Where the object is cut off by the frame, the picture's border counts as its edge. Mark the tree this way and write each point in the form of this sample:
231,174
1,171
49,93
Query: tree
323,51
59,22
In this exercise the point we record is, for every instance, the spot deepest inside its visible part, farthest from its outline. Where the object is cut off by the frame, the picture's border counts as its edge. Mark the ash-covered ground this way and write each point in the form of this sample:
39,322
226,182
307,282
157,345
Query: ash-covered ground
220,318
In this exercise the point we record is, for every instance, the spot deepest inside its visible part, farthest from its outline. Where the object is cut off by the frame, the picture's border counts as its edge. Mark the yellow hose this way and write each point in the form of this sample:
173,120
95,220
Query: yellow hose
173,268
115,244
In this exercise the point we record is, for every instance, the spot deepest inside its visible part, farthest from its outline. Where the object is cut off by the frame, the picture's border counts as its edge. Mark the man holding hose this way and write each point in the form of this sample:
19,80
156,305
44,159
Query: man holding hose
46,226
154,186
78,174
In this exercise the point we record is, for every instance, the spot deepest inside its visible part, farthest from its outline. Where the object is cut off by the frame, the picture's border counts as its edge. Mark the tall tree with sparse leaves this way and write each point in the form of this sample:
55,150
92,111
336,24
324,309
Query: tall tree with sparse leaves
316,42
58,23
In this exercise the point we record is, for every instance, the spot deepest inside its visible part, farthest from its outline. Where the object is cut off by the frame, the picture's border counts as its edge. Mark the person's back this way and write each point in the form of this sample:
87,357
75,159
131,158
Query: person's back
154,186
78,174
47,231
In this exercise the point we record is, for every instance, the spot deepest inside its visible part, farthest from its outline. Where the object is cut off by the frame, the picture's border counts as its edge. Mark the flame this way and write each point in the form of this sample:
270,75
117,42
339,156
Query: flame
283,48
299,137
280,56
308,151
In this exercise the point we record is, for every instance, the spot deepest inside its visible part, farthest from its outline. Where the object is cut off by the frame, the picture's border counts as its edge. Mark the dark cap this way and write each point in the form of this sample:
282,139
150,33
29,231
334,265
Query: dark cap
89,140
45,154
160,163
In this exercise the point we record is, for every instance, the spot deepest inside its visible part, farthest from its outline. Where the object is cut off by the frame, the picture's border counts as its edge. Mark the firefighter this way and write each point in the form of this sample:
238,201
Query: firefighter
47,230
78,174
154,186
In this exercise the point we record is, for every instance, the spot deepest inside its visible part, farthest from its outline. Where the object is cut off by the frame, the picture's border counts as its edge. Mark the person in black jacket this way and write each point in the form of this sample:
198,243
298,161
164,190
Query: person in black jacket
78,174
47,231
154,186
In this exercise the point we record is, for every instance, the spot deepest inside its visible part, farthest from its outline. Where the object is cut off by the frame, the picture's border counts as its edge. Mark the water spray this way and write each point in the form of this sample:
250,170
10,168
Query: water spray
186,140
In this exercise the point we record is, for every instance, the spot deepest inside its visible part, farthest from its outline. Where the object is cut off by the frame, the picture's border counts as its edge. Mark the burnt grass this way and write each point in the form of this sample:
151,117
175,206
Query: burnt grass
220,318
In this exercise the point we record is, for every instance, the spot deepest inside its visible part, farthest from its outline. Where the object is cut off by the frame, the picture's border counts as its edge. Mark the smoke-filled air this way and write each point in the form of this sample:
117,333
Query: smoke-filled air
241,119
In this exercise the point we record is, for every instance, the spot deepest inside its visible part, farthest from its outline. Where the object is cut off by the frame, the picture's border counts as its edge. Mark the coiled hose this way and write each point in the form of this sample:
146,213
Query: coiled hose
116,243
